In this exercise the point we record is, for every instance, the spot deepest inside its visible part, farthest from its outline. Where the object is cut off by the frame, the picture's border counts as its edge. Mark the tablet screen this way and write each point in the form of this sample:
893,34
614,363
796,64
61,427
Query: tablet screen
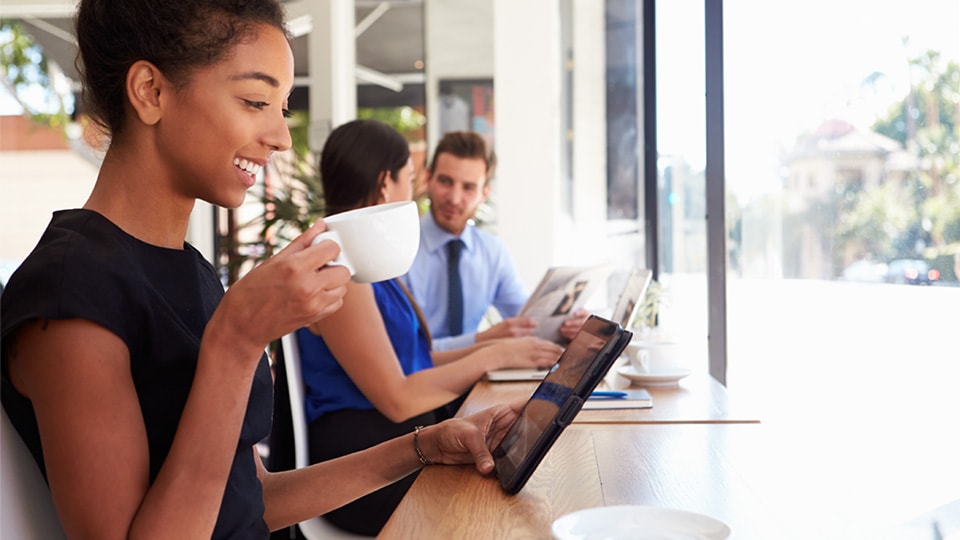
557,400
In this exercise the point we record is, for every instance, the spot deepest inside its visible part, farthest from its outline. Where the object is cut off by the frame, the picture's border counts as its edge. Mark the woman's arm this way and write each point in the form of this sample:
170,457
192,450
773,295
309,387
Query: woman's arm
77,375
452,355
357,337
294,496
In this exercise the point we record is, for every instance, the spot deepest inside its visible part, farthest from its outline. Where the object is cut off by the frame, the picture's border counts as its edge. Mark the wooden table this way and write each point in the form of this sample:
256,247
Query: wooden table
851,478
689,467
674,454
696,399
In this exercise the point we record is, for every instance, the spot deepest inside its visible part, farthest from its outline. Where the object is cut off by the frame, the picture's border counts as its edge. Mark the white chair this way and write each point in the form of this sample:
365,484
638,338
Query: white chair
26,509
317,528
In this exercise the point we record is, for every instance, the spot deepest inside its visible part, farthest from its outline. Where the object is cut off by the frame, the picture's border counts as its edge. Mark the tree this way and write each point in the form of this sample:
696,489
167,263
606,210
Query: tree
31,79
927,123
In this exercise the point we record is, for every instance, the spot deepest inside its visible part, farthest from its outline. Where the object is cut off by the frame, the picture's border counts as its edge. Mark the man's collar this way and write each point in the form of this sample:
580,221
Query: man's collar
436,236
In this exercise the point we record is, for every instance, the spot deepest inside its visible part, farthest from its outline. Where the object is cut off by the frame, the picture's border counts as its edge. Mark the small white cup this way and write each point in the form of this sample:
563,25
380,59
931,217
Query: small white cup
377,242
655,357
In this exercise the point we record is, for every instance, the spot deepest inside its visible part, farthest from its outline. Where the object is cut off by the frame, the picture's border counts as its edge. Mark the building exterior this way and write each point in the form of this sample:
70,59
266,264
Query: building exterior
825,171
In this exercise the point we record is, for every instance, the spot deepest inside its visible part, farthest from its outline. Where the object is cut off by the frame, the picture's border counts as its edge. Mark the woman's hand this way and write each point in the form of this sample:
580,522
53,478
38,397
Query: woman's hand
524,352
292,289
469,440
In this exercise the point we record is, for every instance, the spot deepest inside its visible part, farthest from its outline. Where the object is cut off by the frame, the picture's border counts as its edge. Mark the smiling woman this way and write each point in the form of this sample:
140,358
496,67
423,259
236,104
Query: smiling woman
137,383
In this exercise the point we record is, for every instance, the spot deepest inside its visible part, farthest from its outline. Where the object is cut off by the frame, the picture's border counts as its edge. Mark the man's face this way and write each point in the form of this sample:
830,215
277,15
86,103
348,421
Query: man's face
457,187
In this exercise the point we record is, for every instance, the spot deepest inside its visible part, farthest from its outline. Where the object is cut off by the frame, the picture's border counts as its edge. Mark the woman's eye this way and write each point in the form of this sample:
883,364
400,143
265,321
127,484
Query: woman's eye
287,113
258,105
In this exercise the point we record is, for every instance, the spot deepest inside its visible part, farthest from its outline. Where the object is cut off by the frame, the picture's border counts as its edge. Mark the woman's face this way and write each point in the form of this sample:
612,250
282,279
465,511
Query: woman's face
219,131
401,188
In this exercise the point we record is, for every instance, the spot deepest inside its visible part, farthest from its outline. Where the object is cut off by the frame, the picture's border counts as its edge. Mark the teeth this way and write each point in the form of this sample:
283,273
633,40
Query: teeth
248,166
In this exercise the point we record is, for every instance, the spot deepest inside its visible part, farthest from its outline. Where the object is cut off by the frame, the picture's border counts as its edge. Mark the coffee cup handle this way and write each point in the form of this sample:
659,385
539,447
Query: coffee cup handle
342,259
645,360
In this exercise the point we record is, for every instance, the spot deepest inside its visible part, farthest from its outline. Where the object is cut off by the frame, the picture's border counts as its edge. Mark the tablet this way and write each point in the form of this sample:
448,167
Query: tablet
557,400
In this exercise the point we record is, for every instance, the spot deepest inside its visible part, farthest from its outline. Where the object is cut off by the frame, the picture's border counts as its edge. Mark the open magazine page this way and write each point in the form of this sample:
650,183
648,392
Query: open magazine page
562,291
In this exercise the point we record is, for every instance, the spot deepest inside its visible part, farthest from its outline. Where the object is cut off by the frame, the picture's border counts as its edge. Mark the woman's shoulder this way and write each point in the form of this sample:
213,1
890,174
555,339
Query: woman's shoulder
79,243
80,261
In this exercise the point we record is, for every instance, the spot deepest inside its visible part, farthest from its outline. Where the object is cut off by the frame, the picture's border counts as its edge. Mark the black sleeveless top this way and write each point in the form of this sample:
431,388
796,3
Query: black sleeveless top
157,301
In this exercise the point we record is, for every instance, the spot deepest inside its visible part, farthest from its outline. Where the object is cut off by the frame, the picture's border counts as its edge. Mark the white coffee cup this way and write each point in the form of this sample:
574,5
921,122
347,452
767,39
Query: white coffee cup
655,357
376,242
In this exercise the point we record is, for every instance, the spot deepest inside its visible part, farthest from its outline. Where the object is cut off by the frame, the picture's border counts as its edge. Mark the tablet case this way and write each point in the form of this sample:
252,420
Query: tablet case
557,400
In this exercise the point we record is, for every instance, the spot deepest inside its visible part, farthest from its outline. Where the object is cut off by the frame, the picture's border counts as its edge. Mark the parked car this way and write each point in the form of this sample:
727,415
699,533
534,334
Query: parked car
911,271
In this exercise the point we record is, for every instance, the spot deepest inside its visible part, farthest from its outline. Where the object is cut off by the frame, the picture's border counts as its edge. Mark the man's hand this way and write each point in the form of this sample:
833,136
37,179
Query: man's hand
512,327
572,325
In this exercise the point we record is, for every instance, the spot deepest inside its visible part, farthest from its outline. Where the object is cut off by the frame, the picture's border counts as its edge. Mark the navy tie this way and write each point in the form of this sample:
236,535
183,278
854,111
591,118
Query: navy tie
455,291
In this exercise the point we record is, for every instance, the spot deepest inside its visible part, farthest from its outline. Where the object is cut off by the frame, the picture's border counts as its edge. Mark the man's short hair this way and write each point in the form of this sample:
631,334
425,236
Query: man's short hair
466,145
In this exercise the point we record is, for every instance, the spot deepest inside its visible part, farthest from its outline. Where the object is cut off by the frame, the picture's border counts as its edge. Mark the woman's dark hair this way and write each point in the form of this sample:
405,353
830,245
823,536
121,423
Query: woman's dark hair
352,162
177,36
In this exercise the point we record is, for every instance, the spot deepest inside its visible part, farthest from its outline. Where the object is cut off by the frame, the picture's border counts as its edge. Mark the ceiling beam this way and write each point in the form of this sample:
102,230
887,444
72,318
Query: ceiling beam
38,8
368,75
52,29
371,18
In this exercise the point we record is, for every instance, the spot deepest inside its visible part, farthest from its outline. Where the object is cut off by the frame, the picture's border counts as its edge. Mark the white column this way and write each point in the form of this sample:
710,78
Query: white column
332,65
200,230
527,87
589,113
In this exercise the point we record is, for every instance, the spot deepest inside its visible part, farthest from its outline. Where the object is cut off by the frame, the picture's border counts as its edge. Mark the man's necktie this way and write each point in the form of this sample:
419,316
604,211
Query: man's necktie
455,292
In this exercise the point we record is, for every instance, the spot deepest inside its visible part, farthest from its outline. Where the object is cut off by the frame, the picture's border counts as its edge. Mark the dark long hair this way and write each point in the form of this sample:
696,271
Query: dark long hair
354,162
353,166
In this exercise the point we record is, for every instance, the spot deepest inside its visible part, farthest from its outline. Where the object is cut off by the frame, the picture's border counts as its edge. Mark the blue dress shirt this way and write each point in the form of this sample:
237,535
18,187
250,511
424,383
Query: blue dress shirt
486,271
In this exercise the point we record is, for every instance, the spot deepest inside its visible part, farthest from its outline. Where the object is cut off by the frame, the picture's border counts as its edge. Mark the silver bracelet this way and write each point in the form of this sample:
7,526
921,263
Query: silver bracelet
416,446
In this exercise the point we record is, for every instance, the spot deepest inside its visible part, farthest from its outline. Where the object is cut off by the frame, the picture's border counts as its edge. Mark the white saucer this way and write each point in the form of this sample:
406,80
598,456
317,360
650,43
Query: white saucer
668,378
637,523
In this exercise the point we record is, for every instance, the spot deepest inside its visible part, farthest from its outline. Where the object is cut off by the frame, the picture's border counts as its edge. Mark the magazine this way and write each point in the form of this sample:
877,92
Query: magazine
562,291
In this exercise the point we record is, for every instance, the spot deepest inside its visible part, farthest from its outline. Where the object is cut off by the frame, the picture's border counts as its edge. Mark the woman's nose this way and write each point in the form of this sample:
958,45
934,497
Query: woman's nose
277,136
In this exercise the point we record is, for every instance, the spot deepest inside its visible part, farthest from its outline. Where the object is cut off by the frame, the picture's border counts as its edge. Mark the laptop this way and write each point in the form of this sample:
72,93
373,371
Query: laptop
631,298
557,400
624,311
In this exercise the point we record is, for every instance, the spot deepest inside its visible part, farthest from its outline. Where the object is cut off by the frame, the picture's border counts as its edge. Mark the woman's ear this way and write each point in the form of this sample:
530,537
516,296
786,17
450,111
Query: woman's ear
382,180
144,82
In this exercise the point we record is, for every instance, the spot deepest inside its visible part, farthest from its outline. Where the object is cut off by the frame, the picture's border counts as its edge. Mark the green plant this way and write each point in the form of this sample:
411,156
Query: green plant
31,79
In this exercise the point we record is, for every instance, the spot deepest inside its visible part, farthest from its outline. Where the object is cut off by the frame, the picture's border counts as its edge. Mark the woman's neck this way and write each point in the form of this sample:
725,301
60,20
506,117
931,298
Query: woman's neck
134,199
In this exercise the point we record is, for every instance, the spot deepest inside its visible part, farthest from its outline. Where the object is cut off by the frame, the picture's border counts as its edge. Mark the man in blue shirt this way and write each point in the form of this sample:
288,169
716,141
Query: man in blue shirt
458,182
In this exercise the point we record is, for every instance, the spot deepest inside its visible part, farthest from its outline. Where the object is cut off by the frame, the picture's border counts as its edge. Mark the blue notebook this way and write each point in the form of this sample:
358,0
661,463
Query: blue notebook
633,398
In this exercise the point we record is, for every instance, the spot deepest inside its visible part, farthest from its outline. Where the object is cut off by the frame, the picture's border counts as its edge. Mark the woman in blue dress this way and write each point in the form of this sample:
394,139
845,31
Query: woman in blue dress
368,369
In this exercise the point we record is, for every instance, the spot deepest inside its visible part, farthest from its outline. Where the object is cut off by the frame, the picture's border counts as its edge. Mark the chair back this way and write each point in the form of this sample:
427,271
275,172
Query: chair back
291,363
317,528
26,509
